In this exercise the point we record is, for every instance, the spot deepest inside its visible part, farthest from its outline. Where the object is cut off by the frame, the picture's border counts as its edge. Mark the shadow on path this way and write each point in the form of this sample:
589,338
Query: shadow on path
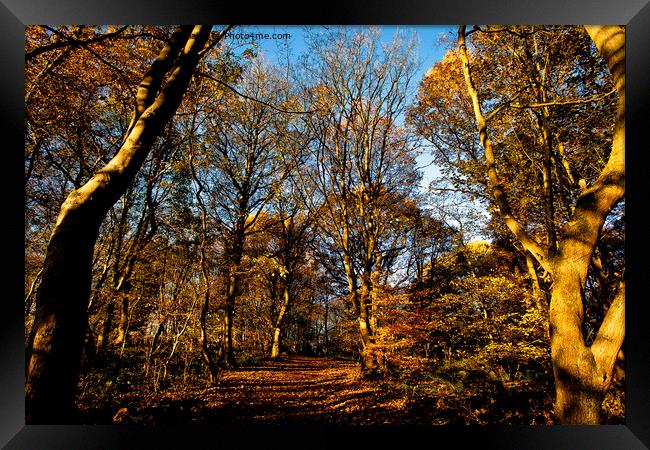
291,390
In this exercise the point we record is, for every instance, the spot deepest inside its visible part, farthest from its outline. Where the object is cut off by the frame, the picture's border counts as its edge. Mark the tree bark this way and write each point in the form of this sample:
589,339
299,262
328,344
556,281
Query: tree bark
232,288
583,373
56,341
498,192
154,345
205,278
369,360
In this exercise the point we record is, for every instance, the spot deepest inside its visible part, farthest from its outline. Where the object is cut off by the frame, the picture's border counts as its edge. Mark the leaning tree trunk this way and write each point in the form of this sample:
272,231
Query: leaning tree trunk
55,346
277,330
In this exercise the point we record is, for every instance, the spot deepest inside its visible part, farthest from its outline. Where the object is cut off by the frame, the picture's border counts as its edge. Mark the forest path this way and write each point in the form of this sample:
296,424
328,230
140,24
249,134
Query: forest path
299,389
293,390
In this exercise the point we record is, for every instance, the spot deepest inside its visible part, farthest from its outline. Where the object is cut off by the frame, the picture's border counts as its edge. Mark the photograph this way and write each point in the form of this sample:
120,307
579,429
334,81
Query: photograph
343,227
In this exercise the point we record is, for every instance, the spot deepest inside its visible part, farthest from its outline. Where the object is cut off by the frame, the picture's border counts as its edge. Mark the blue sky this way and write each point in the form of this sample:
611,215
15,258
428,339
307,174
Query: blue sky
429,52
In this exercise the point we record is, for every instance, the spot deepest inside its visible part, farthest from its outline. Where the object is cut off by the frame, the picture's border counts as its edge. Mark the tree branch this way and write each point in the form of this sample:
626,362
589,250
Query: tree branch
578,101
226,85
70,42
610,337
498,192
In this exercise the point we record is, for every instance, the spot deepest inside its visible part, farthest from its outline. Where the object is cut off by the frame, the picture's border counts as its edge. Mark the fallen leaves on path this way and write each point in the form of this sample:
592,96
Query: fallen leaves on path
291,390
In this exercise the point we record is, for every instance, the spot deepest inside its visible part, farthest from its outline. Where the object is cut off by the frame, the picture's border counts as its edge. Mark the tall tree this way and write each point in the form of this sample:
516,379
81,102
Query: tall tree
56,339
362,157
582,373
292,232
240,142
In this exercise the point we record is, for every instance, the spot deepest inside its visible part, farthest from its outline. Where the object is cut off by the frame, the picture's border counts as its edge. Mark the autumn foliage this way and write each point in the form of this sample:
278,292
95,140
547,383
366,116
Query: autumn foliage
275,256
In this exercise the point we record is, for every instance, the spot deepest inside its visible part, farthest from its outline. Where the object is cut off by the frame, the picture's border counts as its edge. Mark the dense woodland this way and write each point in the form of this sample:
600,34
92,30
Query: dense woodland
194,211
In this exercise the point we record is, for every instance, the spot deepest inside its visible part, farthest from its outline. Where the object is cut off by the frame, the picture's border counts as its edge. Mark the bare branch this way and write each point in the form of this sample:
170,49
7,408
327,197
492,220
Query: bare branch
262,102
498,192
70,42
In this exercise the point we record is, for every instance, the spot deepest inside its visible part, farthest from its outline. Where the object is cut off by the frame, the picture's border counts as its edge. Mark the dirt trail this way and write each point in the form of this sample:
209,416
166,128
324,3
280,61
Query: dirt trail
292,390
300,390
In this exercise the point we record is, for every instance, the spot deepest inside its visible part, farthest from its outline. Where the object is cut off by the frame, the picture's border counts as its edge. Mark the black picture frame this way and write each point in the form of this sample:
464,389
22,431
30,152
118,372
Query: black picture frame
15,14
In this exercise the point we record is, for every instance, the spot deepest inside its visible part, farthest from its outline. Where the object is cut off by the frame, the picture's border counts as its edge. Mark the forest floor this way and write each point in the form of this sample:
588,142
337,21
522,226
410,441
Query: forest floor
302,390
291,390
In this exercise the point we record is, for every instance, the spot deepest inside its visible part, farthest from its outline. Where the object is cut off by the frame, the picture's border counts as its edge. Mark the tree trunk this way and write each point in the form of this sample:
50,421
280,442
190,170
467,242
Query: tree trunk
581,373
56,340
120,339
369,360
234,255
534,279
326,320
29,300
153,347
89,351
577,400
205,279
277,331
106,327
205,349
231,295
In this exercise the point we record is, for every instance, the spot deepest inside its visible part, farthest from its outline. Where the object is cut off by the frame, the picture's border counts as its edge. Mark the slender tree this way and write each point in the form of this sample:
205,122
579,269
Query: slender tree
362,157
240,139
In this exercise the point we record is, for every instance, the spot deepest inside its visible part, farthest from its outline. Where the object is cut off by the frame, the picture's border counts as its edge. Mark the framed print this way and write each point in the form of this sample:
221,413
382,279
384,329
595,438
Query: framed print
394,152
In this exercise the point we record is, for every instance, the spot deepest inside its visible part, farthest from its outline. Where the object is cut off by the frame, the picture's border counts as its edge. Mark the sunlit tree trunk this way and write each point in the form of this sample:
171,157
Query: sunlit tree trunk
120,339
582,373
56,340
277,330
366,330
102,337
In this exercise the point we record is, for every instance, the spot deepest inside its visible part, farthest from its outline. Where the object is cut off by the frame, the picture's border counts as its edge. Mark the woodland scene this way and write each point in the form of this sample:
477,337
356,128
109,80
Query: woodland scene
330,225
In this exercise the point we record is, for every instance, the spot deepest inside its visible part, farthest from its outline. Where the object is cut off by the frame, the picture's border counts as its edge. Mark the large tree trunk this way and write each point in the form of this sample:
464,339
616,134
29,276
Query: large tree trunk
354,293
582,374
369,361
55,346
235,255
